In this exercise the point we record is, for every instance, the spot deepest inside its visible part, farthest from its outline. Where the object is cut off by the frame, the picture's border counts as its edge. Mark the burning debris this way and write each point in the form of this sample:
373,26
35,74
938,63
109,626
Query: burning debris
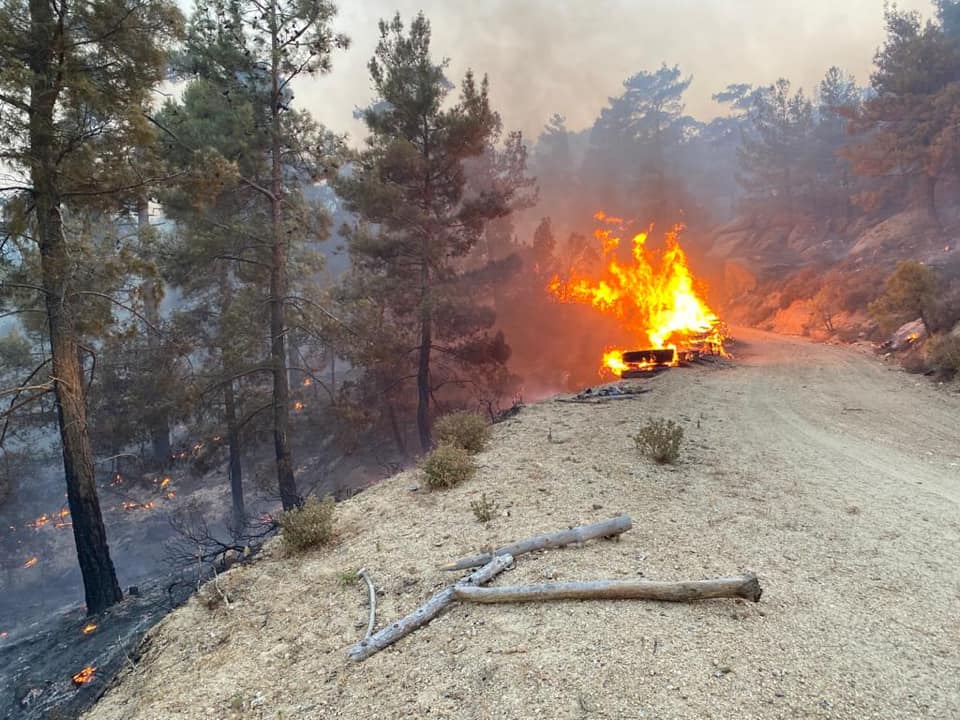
31,562
88,628
85,675
653,295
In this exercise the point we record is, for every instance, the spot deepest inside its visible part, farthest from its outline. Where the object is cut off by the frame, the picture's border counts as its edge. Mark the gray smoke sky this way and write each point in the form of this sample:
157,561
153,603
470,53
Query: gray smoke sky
569,56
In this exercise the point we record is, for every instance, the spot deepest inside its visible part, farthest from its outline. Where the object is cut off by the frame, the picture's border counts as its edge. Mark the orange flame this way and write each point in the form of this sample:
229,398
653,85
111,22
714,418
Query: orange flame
88,628
85,675
653,294
31,562
298,406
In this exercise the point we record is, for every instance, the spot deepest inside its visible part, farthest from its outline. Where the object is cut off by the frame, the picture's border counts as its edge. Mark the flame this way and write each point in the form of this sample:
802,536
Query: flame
31,562
653,294
85,675
171,495
298,406
88,628
41,521
132,505
307,382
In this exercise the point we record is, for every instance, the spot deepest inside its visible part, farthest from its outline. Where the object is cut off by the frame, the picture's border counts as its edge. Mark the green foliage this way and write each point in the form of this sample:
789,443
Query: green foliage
467,430
447,466
484,510
347,577
660,440
909,293
310,525
416,289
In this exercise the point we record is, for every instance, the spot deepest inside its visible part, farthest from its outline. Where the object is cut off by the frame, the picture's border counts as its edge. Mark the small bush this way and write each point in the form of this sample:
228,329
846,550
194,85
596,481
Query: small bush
447,466
660,440
308,526
943,352
467,430
484,510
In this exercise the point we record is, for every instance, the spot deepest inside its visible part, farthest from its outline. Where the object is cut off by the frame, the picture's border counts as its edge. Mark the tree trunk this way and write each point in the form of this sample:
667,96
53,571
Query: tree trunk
159,420
278,288
101,589
423,363
238,515
930,198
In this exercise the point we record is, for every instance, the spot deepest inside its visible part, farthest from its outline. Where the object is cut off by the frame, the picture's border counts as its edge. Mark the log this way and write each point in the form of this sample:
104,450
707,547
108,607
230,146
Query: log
746,586
426,612
605,528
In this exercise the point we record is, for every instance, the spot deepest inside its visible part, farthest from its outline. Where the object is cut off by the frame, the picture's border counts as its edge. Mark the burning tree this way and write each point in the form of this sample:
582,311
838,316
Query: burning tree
73,79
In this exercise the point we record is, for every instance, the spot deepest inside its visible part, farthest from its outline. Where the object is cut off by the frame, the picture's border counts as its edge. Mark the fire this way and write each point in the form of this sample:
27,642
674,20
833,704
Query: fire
307,382
131,505
31,562
653,294
88,628
164,483
298,406
85,675
41,521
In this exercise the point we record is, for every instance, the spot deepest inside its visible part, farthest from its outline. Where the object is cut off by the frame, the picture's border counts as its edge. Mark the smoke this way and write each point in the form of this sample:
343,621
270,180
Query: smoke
544,57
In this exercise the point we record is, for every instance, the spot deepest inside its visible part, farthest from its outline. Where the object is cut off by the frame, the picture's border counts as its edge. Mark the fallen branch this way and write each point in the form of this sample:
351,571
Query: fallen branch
426,612
582,533
746,587
372,595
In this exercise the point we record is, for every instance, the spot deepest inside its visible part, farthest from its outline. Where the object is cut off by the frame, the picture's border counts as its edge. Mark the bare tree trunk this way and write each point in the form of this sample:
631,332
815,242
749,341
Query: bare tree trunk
423,361
930,198
238,514
278,289
160,421
101,589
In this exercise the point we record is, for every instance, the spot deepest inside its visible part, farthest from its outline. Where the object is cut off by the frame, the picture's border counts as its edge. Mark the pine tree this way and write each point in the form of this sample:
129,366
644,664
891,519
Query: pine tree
62,104
255,50
421,217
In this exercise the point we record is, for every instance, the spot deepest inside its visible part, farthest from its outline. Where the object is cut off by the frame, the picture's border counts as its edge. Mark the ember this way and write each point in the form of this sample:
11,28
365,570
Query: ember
653,295
88,628
84,676
298,406
131,505
31,562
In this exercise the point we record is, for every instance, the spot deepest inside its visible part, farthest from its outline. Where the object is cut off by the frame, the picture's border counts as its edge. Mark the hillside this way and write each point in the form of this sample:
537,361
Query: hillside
832,476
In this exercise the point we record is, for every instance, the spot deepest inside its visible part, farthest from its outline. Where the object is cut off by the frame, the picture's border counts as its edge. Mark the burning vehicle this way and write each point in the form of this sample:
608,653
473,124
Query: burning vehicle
657,302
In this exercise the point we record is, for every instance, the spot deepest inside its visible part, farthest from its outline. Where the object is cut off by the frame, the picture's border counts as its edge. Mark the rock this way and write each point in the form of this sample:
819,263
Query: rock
907,334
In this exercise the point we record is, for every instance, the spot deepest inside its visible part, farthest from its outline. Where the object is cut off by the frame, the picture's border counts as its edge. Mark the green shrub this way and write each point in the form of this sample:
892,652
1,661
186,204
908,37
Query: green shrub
467,430
447,466
484,510
308,526
660,440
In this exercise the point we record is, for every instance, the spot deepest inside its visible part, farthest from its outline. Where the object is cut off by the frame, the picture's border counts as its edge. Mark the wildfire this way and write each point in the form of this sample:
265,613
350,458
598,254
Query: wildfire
298,406
88,628
307,382
131,505
653,295
31,562
85,675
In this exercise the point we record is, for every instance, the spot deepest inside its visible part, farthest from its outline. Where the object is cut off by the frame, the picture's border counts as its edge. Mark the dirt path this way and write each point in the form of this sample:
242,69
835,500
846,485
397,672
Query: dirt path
833,477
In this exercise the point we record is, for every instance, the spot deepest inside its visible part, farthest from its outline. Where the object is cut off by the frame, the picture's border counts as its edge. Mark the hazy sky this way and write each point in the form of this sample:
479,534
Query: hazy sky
569,56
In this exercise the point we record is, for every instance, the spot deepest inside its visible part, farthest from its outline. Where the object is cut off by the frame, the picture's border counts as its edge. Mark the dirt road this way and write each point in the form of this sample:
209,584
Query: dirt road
833,477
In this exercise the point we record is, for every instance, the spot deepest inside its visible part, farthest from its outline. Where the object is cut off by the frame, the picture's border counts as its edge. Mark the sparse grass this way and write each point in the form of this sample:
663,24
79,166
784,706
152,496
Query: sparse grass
660,440
308,526
347,577
484,510
467,430
447,466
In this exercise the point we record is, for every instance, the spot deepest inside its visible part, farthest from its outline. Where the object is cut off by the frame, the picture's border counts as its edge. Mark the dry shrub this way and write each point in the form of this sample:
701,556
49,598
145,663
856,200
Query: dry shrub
310,525
466,430
447,466
660,440
943,353
484,510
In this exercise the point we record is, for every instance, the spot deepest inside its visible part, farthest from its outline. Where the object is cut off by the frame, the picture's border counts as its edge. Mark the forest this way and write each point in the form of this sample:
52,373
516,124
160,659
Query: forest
198,276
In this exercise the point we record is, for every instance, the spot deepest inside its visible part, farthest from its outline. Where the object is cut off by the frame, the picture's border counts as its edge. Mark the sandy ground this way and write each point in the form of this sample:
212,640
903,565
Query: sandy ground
834,477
